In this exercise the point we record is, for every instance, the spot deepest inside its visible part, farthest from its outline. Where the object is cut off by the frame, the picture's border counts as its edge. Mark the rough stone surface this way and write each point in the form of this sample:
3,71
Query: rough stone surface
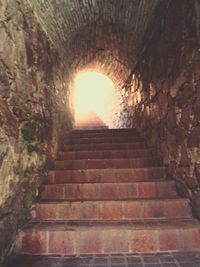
44,44
164,97
32,93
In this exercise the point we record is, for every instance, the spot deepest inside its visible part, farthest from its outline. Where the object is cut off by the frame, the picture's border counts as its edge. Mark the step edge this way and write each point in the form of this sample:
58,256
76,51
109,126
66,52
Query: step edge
93,201
81,170
110,159
92,183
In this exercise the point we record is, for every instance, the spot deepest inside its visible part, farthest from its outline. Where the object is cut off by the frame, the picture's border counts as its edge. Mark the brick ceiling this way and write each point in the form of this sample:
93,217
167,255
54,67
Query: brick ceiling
102,34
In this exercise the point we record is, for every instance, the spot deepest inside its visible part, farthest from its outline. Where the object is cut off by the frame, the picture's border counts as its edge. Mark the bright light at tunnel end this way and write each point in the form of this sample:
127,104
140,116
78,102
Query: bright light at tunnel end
94,93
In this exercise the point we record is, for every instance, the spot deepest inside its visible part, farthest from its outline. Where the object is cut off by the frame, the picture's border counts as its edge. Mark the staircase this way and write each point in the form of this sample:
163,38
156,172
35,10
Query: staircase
90,121
106,195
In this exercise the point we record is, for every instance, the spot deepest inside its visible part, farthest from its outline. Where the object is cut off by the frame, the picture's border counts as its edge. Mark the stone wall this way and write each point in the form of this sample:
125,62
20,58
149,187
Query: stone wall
161,98
164,95
33,111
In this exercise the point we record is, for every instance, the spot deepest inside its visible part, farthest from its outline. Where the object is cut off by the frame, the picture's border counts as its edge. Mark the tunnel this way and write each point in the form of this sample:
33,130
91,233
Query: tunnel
148,49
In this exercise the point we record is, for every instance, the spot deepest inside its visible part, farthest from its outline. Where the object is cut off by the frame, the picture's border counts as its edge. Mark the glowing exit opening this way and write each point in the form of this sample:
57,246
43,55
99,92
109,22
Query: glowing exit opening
94,93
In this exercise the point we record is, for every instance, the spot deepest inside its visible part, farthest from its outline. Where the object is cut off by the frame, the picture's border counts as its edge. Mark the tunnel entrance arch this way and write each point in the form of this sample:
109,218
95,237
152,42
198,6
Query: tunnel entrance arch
95,93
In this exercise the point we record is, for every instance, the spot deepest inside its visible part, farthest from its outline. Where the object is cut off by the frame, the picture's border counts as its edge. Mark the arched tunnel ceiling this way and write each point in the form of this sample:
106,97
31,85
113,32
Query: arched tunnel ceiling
105,33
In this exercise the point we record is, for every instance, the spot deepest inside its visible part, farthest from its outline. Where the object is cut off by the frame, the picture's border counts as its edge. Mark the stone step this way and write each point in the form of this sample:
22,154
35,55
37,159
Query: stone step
140,237
111,139
105,191
113,210
106,175
103,154
102,163
104,146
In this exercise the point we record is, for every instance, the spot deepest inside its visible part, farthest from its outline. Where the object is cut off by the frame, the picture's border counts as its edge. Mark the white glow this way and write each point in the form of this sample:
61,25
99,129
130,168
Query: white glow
94,92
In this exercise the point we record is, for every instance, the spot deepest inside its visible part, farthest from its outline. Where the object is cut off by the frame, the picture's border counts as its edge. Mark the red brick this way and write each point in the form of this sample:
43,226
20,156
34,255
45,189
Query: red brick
153,209
67,155
100,175
46,211
112,210
71,165
107,210
133,210
104,191
122,163
177,208
34,242
147,189
51,177
102,139
104,146
192,237
102,154
91,191
109,191
112,153
169,239
109,175
73,191
142,174
140,162
69,211
166,188
102,133
144,241
128,190
53,192
116,241
123,175
99,164
88,242
61,242
90,210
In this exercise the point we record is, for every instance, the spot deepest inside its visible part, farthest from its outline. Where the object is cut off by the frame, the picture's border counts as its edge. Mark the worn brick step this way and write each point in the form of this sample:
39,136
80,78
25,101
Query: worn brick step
105,191
104,131
91,123
102,163
90,127
88,121
103,154
94,134
113,210
111,139
65,239
106,175
104,146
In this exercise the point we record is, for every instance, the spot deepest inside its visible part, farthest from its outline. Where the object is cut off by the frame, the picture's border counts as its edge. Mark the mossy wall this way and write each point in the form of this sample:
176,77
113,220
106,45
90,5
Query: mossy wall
33,114
164,95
